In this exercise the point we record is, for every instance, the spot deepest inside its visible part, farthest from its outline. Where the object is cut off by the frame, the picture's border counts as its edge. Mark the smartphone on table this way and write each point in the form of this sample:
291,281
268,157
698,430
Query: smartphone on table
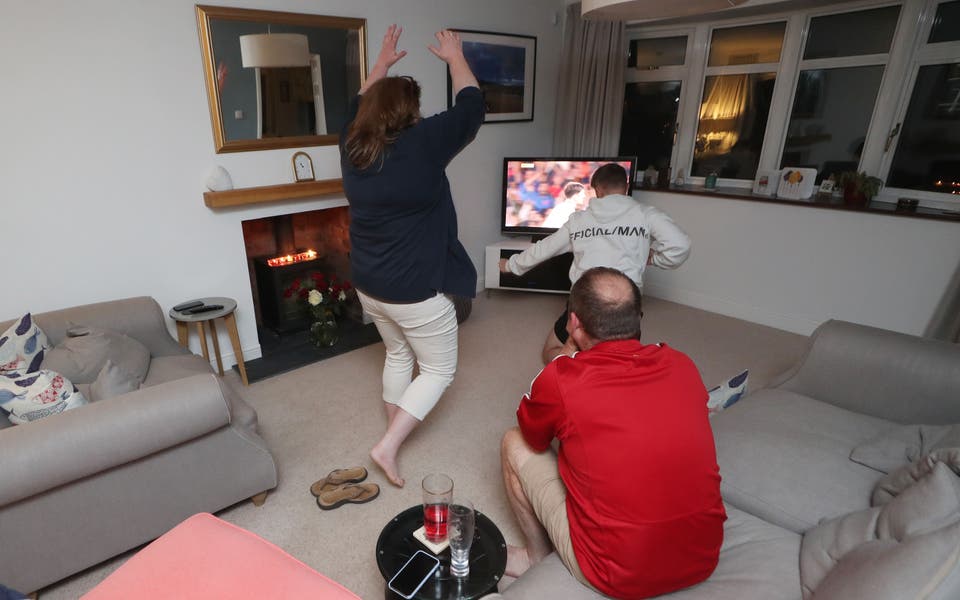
413,574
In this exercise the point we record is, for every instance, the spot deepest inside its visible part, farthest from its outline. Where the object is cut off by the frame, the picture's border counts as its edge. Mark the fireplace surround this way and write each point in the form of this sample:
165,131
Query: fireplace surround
284,248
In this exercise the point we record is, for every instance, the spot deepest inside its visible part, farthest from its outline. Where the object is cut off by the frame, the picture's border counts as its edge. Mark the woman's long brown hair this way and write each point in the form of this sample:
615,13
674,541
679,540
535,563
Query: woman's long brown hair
388,107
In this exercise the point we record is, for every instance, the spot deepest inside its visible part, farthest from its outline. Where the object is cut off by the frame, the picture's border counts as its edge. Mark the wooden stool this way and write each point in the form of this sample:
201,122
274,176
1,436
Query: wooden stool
205,322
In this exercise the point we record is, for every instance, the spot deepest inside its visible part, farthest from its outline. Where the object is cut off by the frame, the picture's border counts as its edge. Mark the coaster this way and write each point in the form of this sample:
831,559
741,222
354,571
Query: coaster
435,547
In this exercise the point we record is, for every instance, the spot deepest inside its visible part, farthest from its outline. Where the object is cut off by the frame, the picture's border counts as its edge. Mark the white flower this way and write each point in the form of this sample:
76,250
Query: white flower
342,297
314,297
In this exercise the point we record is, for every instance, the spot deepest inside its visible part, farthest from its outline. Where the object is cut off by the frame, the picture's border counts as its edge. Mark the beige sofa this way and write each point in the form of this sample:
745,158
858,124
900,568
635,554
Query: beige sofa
800,520
82,486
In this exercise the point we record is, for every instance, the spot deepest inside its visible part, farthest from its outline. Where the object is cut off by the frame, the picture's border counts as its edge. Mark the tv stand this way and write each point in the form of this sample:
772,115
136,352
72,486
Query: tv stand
551,276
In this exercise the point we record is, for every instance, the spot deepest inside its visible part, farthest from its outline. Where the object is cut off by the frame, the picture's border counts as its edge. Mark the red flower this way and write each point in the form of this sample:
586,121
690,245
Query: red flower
287,293
296,284
303,293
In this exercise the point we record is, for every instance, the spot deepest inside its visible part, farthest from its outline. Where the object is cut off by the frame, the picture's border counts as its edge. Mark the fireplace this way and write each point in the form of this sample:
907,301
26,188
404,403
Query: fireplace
285,248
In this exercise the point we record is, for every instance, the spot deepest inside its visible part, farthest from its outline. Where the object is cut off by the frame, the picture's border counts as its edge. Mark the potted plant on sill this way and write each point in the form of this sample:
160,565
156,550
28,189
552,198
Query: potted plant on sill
859,188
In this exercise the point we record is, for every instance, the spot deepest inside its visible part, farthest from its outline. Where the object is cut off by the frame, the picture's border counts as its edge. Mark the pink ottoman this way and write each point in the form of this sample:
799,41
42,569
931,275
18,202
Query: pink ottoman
206,558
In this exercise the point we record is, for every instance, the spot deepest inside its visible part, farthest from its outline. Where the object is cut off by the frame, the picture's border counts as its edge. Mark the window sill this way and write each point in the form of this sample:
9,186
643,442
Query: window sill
829,203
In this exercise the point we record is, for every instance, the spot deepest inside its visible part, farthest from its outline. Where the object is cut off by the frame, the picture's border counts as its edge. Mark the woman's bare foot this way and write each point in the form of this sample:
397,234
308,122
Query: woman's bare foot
518,561
388,462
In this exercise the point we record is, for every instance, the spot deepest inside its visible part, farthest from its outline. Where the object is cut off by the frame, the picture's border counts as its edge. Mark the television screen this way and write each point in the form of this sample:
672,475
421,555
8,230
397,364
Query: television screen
540,194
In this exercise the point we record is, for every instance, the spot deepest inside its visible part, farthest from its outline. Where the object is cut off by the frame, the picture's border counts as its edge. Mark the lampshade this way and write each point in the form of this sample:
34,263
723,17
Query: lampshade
631,10
274,50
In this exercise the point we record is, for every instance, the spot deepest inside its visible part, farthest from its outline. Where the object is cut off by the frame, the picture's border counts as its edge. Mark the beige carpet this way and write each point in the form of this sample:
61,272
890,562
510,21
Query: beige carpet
327,415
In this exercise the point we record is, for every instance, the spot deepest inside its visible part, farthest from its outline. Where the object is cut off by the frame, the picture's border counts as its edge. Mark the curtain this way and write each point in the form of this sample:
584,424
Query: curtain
723,112
945,324
591,88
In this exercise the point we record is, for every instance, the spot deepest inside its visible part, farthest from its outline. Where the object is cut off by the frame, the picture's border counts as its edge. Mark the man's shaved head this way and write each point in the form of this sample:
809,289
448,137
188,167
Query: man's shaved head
608,304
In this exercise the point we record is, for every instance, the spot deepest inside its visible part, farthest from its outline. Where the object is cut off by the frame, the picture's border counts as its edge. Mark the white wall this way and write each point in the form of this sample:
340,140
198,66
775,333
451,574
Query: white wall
107,141
795,267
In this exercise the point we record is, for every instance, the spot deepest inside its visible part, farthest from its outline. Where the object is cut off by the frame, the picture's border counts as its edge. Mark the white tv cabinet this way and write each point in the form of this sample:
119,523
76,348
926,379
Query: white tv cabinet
551,276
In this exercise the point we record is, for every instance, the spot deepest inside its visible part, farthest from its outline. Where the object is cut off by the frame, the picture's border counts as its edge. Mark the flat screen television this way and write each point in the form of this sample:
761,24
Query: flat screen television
540,194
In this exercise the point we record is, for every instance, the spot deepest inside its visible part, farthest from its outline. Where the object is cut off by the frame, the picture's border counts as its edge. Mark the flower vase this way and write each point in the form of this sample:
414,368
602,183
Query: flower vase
324,333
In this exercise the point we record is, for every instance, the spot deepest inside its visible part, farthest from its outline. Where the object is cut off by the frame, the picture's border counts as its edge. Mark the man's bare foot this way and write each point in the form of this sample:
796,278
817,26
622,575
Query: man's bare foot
518,561
387,462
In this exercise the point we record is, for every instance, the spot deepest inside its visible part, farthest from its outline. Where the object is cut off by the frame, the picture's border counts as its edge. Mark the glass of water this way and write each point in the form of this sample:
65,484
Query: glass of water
460,527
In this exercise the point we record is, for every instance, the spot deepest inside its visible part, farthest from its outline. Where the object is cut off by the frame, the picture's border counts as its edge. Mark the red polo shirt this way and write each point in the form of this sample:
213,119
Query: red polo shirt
638,461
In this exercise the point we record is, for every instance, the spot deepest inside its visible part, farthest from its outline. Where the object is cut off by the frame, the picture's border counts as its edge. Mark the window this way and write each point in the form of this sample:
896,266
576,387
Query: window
657,52
652,99
747,45
833,102
924,141
733,120
870,85
946,23
740,78
832,36
829,121
649,122
928,154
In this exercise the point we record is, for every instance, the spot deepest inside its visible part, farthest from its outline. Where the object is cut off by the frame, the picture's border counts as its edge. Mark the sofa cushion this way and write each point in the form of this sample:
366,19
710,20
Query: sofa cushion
757,560
84,352
22,346
112,381
26,397
899,480
169,368
785,458
901,444
908,548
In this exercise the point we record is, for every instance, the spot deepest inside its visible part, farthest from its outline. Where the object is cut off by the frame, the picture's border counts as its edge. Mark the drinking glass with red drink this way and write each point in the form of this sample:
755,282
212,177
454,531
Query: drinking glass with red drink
437,494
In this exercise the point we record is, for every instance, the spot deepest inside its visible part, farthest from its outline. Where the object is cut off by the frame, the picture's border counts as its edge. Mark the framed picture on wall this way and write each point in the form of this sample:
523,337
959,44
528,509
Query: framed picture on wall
505,66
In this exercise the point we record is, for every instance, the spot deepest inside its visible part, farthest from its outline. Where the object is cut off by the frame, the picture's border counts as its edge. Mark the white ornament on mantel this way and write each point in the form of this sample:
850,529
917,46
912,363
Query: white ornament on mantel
218,180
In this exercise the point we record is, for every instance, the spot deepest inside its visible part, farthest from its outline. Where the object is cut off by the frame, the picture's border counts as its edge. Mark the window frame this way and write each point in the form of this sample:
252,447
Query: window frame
861,60
908,51
666,74
923,54
747,69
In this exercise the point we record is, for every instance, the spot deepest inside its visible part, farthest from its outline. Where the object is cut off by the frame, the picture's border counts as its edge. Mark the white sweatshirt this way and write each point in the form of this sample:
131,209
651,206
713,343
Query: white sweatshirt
615,231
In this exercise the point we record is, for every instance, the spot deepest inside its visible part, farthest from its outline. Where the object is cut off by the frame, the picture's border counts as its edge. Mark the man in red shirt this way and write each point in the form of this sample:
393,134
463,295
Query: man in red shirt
631,503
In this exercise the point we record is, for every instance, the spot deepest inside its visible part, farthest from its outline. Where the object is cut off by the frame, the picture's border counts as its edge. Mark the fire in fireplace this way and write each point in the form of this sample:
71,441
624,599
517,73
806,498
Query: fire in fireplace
290,259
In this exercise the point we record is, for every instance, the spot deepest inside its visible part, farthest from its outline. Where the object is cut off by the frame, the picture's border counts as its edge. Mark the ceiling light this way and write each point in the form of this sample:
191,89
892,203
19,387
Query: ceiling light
631,10
274,50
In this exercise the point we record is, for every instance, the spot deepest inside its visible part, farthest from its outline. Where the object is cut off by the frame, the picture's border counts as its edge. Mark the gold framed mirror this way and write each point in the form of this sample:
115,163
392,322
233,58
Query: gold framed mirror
279,79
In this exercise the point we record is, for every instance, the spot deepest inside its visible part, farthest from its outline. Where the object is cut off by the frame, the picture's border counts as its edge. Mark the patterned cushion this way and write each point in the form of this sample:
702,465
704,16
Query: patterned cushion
27,397
22,346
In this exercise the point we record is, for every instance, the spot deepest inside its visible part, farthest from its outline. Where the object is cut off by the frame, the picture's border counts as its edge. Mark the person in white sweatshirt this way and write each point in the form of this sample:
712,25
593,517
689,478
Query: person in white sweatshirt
615,231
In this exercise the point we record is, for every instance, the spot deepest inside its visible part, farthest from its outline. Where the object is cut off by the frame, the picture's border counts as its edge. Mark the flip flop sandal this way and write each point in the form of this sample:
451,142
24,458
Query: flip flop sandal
338,477
348,493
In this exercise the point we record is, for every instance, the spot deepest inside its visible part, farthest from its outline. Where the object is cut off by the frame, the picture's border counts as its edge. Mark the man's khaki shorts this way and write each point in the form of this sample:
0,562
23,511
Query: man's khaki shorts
540,478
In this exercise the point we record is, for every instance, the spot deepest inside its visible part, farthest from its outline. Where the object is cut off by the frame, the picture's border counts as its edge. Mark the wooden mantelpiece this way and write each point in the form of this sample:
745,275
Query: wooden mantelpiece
273,193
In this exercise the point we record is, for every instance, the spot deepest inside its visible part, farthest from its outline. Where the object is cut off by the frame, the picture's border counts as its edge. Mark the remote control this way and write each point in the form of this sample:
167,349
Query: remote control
203,309
187,305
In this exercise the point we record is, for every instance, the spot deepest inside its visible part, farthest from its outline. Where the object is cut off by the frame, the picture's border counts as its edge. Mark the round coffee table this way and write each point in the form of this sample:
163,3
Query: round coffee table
488,558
